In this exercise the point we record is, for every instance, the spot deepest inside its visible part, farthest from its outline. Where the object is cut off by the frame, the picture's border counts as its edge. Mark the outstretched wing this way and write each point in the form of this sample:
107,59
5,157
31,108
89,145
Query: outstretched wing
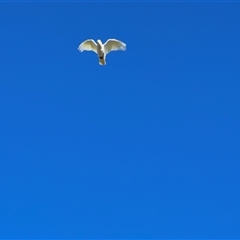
114,45
88,45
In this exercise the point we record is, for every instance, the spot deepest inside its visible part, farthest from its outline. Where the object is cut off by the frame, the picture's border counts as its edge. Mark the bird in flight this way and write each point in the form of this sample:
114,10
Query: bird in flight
102,49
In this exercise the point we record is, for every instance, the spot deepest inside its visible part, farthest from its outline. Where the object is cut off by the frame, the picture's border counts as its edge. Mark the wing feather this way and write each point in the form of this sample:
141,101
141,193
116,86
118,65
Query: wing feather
88,45
114,45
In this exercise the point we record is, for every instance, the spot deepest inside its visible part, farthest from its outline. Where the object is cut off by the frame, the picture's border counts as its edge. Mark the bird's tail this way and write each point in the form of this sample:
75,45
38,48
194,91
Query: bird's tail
102,61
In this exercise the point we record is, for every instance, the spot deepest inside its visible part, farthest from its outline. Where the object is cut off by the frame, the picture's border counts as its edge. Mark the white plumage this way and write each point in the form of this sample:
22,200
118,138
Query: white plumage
102,49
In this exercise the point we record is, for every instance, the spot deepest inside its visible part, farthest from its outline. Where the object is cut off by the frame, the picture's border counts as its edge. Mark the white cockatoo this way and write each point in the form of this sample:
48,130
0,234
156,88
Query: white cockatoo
102,49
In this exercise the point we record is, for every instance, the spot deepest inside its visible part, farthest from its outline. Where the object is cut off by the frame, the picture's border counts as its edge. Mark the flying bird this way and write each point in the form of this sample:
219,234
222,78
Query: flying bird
102,49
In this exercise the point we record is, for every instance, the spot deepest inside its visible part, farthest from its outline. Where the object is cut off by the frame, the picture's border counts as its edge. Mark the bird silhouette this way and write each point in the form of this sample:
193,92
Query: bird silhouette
102,49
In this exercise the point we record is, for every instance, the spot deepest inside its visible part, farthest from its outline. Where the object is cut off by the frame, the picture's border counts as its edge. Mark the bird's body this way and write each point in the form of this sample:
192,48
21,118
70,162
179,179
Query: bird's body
101,53
102,49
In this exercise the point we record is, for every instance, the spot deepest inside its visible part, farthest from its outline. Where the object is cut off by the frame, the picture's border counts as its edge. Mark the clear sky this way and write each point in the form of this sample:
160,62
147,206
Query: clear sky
147,146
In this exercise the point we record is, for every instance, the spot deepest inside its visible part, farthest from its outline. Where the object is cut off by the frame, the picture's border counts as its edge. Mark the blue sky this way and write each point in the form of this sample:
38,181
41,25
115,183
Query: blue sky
144,147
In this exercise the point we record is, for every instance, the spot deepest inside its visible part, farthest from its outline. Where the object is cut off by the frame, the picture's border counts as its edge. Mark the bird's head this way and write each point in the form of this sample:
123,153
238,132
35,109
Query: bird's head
99,41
